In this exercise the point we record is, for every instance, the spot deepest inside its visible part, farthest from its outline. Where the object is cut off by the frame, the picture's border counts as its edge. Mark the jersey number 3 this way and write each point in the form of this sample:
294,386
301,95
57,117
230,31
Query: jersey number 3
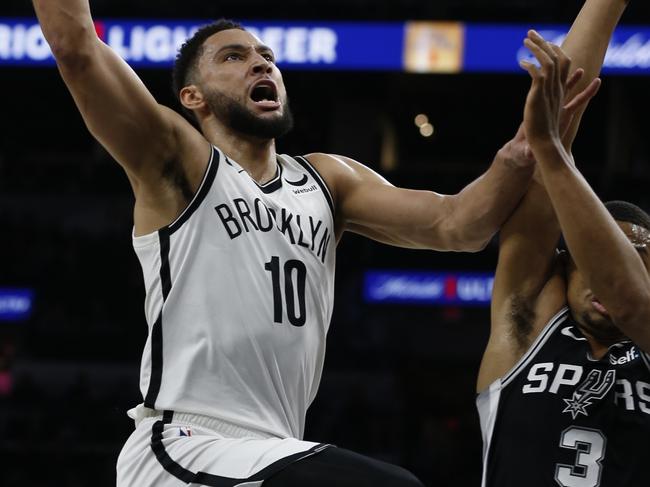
590,447
294,270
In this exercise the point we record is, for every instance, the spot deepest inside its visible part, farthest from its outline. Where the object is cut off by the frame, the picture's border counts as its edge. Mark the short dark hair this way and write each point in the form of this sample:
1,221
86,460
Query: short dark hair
192,49
627,212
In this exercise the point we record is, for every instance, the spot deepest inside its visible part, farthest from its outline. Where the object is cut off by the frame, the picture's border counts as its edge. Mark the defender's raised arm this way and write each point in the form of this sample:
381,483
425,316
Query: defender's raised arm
525,293
613,258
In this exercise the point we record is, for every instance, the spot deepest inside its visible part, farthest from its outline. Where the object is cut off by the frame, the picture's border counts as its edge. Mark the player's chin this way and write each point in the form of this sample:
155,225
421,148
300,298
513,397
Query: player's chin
270,115
599,325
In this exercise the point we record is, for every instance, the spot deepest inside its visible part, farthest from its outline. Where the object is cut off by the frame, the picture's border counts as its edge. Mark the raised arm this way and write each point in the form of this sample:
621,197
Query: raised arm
605,256
529,237
528,289
119,111
586,46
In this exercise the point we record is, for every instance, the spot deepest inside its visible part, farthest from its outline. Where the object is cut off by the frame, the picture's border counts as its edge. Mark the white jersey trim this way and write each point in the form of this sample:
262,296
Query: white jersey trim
487,404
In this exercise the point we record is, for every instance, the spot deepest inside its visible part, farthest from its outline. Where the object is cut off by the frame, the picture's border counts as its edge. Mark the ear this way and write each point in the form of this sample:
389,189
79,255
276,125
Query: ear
192,98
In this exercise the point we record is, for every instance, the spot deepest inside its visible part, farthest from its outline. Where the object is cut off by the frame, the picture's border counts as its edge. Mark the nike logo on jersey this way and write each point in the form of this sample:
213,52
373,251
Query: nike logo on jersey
300,182
568,331
240,217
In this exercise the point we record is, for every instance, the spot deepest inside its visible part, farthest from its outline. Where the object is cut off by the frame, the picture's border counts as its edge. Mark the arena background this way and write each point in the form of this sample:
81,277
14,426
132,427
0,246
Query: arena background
399,379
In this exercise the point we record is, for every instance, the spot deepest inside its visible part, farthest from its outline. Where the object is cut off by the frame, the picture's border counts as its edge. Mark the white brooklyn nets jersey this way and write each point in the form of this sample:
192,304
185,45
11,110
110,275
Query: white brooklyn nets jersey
239,296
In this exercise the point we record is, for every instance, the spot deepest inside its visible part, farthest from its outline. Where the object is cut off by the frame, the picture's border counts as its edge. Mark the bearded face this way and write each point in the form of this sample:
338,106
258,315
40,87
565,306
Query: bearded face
240,118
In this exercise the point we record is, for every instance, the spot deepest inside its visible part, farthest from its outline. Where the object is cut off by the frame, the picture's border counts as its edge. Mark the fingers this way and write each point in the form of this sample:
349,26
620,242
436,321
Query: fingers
531,68
554,62
564,63
582,98
574,79
545,61
545,55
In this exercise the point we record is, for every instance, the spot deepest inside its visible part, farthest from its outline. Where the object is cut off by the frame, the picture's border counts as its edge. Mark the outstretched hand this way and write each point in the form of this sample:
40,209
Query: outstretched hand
548,115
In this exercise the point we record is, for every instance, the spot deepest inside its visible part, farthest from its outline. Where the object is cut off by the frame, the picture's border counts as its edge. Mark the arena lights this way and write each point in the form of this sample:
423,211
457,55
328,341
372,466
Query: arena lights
427,130
428,288
416,47
421,119
422,123
16,304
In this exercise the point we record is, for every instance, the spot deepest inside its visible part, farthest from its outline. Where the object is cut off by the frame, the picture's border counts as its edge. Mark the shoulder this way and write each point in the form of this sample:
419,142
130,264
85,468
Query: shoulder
342,173
335,164
331,167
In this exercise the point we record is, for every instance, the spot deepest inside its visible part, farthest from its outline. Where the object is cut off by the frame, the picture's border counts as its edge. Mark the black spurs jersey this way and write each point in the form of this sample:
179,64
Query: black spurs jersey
562,418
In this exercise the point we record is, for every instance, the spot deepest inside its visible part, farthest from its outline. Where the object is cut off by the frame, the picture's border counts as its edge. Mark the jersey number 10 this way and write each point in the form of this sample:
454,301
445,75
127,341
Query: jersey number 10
293,269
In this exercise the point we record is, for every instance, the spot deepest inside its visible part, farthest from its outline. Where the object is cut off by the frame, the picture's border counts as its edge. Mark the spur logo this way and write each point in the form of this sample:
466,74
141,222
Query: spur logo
594,388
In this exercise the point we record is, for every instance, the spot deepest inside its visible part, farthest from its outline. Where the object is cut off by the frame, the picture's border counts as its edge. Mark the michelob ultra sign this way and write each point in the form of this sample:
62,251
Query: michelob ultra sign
428,288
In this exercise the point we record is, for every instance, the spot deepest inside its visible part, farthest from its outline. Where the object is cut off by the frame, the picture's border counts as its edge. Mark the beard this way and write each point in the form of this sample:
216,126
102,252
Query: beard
602,329
239,118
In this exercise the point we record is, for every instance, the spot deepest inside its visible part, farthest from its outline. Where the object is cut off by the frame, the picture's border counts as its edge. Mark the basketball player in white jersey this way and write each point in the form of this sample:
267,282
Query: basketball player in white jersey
237,246
565,379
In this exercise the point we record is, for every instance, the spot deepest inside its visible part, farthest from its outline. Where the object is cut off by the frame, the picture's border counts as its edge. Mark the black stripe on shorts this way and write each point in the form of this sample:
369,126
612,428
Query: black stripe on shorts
211,480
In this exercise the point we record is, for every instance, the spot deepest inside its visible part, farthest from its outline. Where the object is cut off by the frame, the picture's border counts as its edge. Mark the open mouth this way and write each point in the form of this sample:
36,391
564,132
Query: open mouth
265,94
599,307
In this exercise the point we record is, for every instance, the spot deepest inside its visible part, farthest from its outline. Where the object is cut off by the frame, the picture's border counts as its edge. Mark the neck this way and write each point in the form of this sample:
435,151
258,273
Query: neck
257,156
598,349
599,346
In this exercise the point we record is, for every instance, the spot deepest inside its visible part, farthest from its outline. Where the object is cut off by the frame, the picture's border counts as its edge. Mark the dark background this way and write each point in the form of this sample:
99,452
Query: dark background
399,381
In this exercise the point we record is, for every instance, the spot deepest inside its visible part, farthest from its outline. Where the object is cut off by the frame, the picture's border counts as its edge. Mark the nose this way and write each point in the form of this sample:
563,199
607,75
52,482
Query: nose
261,65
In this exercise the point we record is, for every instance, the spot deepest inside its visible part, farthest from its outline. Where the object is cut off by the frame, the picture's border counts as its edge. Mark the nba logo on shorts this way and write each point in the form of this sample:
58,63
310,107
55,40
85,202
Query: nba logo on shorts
185,431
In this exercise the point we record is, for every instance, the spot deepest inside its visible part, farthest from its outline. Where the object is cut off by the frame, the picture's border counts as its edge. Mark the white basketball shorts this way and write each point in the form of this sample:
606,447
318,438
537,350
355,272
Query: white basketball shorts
175,449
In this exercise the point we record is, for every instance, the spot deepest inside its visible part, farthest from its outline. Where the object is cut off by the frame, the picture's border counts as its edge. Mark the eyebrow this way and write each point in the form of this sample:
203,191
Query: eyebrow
242,47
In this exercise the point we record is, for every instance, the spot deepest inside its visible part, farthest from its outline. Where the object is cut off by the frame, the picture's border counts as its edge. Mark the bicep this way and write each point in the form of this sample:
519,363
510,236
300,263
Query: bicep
527,248
118,109
529,281
373,207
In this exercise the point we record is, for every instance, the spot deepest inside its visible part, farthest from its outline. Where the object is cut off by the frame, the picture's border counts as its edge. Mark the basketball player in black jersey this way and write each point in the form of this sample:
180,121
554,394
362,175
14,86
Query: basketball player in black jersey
565,380
229,82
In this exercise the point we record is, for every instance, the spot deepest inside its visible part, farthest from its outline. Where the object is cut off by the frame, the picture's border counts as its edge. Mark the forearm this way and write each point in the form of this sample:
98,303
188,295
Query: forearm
479,210
586,45
601,251
588,39
64,23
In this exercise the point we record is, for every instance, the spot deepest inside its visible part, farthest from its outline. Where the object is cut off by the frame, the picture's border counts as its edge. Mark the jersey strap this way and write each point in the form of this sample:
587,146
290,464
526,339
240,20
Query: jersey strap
321,182
204,188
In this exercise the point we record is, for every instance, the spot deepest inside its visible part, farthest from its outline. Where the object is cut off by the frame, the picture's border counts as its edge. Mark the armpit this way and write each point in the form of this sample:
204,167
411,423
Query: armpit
522,319
173,172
